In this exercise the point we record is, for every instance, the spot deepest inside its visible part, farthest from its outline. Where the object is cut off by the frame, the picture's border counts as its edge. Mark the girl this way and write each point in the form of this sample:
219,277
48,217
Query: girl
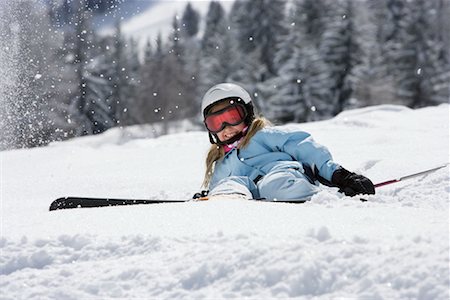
250,158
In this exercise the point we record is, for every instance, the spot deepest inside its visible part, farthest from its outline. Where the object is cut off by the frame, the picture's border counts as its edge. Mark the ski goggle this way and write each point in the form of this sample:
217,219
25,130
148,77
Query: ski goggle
229,116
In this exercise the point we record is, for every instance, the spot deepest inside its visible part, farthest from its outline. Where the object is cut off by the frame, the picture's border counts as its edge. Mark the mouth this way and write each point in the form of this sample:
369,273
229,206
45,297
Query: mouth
229,135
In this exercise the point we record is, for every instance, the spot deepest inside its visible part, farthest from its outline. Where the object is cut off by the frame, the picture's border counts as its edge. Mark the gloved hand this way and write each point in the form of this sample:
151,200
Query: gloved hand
352,184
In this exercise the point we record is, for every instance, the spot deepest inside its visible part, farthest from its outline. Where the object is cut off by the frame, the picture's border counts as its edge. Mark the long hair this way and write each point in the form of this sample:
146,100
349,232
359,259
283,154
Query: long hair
216,152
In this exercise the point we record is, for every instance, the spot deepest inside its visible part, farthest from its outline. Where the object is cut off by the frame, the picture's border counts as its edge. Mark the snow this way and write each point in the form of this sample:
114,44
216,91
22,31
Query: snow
395,246
158,18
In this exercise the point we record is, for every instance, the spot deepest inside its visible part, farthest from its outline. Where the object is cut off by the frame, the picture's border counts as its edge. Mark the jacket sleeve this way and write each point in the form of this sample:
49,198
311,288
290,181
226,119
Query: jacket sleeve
301,147
219,173
223,183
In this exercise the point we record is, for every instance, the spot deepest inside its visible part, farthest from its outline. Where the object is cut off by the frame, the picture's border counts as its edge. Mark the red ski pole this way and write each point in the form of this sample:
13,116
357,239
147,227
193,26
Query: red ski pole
408,176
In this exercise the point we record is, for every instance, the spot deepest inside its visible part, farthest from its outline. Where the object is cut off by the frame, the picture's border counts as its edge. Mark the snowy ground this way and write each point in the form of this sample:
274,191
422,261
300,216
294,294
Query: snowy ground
394,246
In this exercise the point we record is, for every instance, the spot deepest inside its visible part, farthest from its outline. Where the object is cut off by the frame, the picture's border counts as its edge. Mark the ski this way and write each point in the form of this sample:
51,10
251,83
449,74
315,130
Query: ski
83,202
79,202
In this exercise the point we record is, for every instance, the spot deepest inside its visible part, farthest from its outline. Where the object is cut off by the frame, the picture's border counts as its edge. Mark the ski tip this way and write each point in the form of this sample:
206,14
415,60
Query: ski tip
59,203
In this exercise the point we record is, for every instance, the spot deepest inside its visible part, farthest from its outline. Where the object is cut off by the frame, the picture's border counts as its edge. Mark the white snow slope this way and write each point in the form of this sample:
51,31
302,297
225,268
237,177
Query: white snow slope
395,246
158,18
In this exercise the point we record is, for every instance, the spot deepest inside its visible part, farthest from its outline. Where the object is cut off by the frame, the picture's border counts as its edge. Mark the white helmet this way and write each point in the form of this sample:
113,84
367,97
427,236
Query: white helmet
223,91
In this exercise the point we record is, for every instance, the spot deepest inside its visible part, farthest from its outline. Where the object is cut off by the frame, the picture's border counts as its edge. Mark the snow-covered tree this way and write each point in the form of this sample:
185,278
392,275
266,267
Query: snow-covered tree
250,70
87,107
301,90
94,74
215,25
175,45
326,57
312,15
190,21
132,78
191,55
143,111
216,57
371,85
259,27
167,92
442,26
341,50
389,17
299,93
119,67
422,76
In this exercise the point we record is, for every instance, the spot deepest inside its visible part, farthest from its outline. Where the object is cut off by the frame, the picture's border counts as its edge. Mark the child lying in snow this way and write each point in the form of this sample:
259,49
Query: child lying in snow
250,158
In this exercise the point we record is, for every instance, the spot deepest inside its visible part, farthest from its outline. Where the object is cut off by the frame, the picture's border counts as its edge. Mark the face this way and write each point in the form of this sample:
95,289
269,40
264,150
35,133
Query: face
229,131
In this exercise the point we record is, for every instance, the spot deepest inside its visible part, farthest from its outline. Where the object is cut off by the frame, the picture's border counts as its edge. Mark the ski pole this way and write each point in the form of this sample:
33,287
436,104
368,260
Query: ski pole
408,176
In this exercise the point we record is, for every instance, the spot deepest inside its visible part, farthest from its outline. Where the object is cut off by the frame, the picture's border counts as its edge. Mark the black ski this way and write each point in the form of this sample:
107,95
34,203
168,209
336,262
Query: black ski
77,202
80,202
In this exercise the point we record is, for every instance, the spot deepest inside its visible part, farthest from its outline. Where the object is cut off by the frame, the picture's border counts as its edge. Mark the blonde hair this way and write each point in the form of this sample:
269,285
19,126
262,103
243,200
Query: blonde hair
216,152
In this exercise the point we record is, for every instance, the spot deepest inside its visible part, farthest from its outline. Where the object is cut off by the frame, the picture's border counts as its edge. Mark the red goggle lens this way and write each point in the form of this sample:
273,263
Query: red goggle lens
232,116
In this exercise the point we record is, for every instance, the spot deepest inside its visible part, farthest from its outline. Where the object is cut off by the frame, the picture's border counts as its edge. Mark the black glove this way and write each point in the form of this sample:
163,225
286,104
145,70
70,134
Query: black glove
352,184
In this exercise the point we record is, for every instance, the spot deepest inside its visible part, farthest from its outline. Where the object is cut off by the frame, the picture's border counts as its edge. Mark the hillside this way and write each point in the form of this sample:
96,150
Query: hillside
394,246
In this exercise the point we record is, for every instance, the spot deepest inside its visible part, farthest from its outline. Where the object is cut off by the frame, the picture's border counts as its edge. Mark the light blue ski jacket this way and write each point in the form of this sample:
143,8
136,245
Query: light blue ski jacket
274,149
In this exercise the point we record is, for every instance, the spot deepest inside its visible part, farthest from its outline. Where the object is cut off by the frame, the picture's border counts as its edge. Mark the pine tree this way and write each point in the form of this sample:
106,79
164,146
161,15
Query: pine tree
298,93
389,34
256,27
143,111
159,48
423,75
175,44
124,59
301,90
371,85
171,96
191,56
118,83
313,17
259,27
153,95
215,60
215,25
132,80
190,21
87,108
442,28
341,50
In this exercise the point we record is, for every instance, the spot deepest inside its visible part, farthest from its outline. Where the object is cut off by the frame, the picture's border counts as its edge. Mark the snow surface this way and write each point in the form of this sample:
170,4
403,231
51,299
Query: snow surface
394,246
